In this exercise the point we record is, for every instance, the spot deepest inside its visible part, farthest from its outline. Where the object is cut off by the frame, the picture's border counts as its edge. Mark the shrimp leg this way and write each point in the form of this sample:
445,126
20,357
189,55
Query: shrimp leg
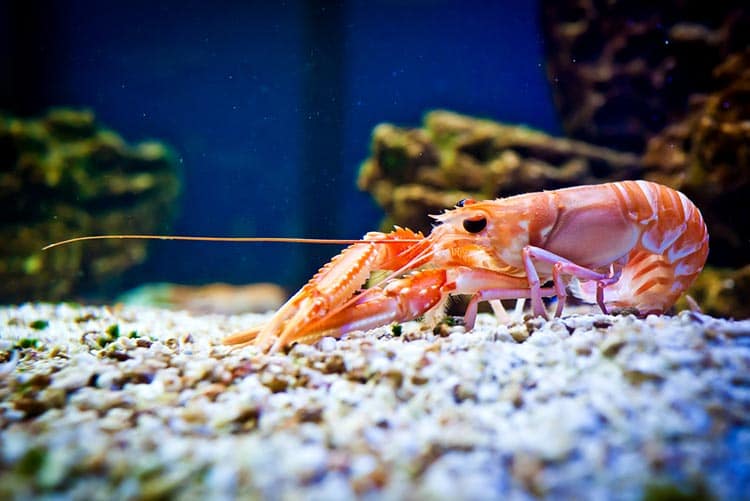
562,266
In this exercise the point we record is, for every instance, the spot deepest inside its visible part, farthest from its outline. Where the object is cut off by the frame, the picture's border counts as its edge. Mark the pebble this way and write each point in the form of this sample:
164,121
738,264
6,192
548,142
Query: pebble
589,405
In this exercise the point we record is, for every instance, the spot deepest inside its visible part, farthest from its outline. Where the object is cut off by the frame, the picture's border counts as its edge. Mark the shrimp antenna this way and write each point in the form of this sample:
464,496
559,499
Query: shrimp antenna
328,241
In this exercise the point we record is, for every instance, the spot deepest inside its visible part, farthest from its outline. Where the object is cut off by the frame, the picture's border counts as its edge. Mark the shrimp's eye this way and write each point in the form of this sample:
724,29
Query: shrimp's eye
465,201
475,224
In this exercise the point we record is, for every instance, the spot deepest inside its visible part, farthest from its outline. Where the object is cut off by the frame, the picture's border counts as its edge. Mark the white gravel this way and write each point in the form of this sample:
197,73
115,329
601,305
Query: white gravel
140,403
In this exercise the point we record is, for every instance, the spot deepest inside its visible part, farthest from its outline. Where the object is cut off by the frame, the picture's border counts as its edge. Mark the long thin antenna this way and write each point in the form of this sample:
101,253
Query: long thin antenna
328,241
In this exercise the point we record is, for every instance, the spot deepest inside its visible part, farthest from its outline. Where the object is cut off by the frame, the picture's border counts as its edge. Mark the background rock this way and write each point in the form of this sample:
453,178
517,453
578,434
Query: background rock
623,70
63,175
706,155
414,172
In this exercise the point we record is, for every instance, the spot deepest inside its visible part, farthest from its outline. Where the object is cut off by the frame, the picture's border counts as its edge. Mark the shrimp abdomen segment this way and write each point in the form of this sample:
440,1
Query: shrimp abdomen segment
668,255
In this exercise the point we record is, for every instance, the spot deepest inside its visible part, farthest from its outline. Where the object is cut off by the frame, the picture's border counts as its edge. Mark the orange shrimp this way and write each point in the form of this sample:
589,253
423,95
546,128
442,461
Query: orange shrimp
632,244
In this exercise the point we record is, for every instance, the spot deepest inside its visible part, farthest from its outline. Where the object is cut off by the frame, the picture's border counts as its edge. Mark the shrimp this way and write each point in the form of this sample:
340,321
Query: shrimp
633,245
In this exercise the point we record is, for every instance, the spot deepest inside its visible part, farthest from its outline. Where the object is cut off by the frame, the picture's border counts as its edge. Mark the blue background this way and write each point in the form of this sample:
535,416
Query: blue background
270,107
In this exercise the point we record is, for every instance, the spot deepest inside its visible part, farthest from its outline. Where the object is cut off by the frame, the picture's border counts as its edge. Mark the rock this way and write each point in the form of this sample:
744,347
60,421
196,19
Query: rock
414,172
62,176
622,71
706,155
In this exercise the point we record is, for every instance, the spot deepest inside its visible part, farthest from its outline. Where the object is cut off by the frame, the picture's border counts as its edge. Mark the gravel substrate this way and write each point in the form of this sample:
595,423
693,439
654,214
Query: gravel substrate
139,403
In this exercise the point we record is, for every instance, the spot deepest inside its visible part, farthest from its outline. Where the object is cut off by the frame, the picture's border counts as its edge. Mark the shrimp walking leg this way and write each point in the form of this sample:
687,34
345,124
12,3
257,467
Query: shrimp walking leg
561,266
496,295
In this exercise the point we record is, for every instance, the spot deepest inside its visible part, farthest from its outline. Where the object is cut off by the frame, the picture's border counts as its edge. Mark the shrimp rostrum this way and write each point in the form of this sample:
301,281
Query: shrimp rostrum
632,245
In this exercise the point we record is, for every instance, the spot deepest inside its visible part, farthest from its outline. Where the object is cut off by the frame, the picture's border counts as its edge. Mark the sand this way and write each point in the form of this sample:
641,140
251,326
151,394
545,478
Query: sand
134,403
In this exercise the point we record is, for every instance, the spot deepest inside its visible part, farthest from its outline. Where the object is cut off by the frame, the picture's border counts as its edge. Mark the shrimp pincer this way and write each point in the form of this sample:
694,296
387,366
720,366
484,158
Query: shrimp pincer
632,245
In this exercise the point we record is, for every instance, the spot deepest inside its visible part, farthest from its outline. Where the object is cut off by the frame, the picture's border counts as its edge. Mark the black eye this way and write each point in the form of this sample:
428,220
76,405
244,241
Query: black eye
475,225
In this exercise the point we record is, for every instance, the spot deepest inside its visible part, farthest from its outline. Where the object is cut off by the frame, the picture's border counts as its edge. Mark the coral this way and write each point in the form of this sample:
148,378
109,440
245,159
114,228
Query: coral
623,70
61,176
415,172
